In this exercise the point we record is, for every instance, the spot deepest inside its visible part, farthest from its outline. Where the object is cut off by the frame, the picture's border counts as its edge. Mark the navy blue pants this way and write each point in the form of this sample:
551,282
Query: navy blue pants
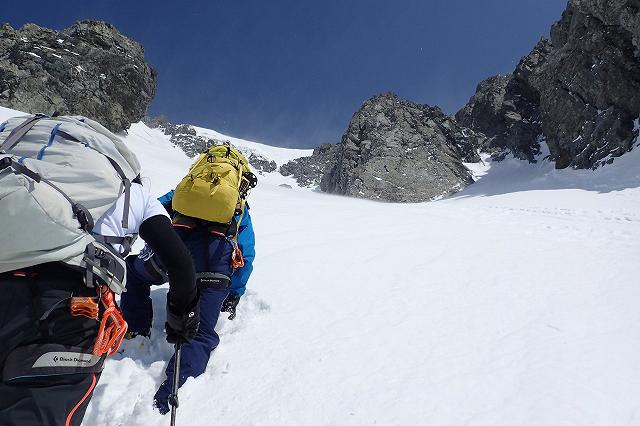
210,254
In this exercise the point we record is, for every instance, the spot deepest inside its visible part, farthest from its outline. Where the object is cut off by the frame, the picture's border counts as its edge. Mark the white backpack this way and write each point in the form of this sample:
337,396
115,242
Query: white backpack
57,176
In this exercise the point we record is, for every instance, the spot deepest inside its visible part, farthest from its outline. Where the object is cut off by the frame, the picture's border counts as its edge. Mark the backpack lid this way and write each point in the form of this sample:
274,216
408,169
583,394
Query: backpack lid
55,172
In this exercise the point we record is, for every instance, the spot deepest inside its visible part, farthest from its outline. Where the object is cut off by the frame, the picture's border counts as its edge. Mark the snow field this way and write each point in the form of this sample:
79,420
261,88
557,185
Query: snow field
511,303
514,302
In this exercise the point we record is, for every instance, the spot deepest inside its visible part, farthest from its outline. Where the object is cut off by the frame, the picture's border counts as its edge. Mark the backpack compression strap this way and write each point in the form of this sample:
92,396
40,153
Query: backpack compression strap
80,212
18,133
103,263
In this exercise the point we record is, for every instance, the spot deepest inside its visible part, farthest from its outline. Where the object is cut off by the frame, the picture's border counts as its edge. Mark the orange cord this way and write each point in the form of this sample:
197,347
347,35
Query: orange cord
237,260
113,327
86,395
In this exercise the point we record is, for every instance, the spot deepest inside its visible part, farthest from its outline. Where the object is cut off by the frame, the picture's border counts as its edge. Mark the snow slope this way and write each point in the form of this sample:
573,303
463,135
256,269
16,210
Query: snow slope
512,303
154,151
279,155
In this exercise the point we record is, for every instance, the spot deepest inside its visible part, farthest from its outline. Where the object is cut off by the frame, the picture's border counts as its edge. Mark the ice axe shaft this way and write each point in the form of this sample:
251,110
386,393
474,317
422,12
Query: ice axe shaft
173,398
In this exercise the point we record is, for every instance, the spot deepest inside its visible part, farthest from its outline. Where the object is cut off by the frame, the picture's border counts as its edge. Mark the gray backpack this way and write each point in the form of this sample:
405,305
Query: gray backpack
57,175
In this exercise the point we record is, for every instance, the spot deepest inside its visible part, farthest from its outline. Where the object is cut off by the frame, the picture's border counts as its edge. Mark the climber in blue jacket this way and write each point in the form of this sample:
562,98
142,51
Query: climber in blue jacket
246,243
221,282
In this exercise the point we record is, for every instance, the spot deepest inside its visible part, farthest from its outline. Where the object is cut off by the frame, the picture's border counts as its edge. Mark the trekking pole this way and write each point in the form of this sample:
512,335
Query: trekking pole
173,398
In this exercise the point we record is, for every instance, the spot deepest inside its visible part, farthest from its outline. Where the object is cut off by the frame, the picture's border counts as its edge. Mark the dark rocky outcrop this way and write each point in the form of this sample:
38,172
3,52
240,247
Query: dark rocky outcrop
624,14
89,69
261,164
506,109
397,150
308,171
184,136
580,92
484,111
590,86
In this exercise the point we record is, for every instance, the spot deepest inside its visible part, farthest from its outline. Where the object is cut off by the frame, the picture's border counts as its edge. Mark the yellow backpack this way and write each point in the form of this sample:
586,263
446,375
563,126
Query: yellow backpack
217,185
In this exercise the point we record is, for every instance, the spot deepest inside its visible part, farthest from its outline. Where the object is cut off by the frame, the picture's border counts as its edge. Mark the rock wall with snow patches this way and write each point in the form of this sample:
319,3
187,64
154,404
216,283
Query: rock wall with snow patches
88,69
579,92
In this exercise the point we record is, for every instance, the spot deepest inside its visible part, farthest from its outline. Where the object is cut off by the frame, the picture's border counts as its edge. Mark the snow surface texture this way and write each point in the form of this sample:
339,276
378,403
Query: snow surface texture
514,302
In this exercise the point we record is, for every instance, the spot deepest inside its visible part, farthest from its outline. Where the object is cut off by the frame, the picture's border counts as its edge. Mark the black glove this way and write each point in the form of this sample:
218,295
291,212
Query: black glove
230,304
182,324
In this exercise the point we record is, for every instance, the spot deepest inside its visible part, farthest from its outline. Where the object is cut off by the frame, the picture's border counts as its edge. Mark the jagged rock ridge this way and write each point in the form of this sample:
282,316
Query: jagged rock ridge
506,109
88,69
186,138
577,92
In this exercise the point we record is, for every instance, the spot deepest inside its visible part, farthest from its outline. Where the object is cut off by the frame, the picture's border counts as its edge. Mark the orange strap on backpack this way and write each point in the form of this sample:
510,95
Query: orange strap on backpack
113,327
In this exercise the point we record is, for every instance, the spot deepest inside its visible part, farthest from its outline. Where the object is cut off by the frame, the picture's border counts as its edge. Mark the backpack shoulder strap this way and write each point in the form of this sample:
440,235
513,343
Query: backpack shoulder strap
127,191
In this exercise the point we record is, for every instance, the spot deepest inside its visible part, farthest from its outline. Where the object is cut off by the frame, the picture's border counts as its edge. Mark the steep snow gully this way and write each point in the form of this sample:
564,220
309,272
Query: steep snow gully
514,302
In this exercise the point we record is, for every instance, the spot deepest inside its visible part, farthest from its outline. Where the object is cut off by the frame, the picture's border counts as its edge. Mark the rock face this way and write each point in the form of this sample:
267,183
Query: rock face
590,86
89,69
484,112
185,137
261,164
580,92
308,171
506,109
397,150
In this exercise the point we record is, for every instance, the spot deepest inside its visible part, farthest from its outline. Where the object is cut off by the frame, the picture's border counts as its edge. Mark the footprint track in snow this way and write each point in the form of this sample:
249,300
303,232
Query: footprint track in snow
562,213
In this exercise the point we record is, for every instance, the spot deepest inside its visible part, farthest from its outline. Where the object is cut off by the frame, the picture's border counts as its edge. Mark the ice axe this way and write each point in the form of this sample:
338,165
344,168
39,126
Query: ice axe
173,398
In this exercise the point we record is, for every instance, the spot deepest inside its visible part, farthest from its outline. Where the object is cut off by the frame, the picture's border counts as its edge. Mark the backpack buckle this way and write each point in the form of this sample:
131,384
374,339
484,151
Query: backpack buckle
5,162
83,216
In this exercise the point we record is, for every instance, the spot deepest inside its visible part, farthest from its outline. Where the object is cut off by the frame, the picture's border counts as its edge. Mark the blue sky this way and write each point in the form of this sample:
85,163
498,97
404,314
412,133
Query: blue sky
292,73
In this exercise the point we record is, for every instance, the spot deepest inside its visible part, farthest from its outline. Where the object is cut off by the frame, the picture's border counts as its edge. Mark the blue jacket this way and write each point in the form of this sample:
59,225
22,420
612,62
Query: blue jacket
246,242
